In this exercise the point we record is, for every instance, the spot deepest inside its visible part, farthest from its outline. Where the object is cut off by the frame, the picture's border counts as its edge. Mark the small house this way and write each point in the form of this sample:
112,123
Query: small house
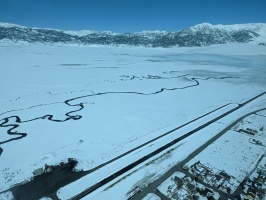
225,175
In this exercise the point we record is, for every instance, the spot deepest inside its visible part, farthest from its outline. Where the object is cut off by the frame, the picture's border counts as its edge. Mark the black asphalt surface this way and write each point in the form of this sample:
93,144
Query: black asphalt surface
47,184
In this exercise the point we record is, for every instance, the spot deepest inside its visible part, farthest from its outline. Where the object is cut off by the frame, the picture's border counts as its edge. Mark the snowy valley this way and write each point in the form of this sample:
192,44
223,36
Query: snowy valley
108,100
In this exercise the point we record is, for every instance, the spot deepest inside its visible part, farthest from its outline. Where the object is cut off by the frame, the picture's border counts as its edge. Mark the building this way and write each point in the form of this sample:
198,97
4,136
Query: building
225,175
38,171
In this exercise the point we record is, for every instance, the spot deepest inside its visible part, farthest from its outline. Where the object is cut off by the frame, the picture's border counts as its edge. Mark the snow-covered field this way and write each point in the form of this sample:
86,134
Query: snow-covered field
154,168
232,153
121,98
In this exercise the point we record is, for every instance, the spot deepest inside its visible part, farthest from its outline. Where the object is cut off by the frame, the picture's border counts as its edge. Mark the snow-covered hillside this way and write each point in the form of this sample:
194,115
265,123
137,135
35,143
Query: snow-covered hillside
200,35
257,31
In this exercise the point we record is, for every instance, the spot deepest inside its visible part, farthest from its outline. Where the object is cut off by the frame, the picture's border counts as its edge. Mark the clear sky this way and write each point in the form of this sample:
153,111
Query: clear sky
130,15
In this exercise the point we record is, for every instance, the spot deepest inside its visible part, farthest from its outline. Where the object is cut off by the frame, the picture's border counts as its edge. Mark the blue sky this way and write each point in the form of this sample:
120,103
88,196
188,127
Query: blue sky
129,15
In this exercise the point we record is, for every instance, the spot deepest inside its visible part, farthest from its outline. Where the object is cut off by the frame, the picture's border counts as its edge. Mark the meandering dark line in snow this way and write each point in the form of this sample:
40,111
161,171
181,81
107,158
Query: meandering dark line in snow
47,104
20,135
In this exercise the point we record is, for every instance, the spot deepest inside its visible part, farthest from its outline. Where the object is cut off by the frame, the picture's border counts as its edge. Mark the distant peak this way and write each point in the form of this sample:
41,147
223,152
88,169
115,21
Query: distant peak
199,35
204,24
8,25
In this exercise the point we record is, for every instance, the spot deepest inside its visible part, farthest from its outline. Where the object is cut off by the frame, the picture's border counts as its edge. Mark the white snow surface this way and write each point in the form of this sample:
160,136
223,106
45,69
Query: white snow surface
8,25
117,87
155,167
151,196
259,28
80,33
233,27
7,196
233,153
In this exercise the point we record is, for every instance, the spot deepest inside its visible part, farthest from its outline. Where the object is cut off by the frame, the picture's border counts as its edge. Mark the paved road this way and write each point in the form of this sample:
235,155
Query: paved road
154,153
152,187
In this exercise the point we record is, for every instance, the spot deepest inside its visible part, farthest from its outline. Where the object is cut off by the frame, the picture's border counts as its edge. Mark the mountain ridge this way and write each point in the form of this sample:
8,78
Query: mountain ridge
204,34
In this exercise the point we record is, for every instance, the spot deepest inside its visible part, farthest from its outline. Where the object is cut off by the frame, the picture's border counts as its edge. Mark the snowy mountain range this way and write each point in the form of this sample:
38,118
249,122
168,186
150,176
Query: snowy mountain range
200,35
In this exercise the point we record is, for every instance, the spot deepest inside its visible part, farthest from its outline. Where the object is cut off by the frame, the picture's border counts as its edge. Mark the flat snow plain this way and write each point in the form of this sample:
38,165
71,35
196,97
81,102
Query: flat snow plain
122,97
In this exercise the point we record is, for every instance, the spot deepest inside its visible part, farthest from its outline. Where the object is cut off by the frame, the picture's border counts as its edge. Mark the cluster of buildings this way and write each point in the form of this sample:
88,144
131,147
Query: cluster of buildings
254,187
182,187
215,178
